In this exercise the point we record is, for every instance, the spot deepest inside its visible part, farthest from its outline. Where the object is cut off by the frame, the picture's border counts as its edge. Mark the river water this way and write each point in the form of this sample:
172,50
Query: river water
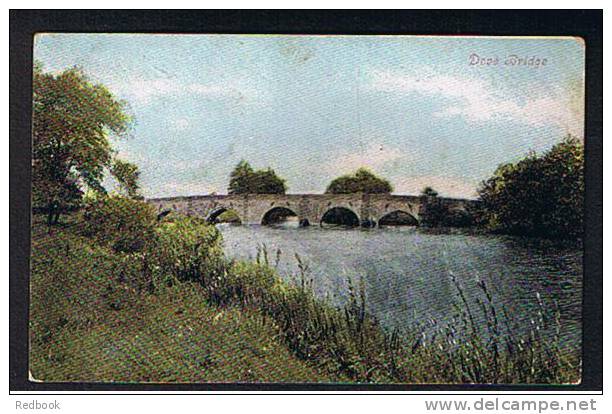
408,272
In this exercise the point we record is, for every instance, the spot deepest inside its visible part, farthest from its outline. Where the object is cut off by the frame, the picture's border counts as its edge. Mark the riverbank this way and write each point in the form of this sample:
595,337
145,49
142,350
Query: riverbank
87,326
214,320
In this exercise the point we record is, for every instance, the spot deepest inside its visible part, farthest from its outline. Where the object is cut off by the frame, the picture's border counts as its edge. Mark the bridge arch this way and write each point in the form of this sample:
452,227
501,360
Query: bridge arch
213,217
276,215
398,218
340,216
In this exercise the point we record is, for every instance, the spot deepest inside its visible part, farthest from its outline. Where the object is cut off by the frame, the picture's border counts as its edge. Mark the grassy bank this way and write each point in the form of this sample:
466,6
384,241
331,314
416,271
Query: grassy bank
171,308
86,325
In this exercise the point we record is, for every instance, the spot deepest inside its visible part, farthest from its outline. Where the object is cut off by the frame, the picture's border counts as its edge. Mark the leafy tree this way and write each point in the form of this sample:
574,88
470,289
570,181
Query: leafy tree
538,195
241,178
127,175
53,195
245,180
71,121
267,182
362,181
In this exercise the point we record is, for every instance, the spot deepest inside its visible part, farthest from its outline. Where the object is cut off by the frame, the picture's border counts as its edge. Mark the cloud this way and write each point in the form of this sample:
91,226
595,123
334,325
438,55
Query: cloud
183,188
375,157
480,101
180,124
144,91
446,186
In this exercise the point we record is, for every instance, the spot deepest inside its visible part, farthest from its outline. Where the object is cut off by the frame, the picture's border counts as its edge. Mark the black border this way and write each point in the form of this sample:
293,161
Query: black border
23,24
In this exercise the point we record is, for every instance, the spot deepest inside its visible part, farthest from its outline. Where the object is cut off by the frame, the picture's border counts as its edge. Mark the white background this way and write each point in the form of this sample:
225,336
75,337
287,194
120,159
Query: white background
269,404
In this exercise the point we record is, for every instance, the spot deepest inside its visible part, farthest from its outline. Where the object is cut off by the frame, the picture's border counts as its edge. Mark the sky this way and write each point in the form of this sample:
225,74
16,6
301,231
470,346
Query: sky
419,111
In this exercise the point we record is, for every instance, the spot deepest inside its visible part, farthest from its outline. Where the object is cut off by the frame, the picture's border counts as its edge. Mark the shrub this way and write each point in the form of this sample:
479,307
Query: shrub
245,180
124,224
249,283
187,249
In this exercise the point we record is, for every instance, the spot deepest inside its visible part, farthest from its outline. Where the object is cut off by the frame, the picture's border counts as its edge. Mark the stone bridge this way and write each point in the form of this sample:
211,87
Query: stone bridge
310,209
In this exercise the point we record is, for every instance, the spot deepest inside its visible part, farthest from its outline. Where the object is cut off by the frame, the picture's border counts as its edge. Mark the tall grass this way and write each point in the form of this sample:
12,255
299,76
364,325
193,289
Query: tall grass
350,342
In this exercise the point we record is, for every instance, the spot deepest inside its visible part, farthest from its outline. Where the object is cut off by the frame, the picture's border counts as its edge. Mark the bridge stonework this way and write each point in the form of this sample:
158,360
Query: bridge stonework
310,208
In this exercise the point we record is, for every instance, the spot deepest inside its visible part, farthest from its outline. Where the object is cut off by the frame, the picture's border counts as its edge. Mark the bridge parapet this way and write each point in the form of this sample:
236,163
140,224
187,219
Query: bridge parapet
251,208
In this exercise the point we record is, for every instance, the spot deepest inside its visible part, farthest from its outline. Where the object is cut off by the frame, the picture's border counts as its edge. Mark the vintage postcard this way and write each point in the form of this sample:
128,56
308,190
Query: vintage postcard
299,209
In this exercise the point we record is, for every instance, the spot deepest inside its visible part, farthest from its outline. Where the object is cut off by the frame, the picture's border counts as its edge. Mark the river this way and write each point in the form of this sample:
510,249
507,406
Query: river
407,272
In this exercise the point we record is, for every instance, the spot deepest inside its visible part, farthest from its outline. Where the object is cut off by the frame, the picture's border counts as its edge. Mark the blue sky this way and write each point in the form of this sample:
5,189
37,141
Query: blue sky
412,109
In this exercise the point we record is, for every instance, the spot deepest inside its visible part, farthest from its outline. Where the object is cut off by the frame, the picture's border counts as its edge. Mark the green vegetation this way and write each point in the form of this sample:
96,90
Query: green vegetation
120,223
362,181
92,319
175,309
72,119
245,180
228,216
127,174
539,195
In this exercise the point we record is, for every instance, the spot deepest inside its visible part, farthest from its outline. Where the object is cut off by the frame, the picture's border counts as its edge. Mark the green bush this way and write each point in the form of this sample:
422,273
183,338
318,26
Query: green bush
124,224
249,283
245,180
187,249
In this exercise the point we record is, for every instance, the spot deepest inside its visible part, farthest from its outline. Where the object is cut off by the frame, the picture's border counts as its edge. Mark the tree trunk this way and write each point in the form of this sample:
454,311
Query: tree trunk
53,213
50,214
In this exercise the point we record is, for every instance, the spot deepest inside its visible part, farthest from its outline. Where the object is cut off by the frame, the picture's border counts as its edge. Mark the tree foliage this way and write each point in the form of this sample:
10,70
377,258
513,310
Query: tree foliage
245,180
362,181
71,122
127,175
539,195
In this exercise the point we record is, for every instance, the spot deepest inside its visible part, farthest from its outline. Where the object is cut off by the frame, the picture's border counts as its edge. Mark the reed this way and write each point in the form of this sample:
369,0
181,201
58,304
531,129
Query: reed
350,342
